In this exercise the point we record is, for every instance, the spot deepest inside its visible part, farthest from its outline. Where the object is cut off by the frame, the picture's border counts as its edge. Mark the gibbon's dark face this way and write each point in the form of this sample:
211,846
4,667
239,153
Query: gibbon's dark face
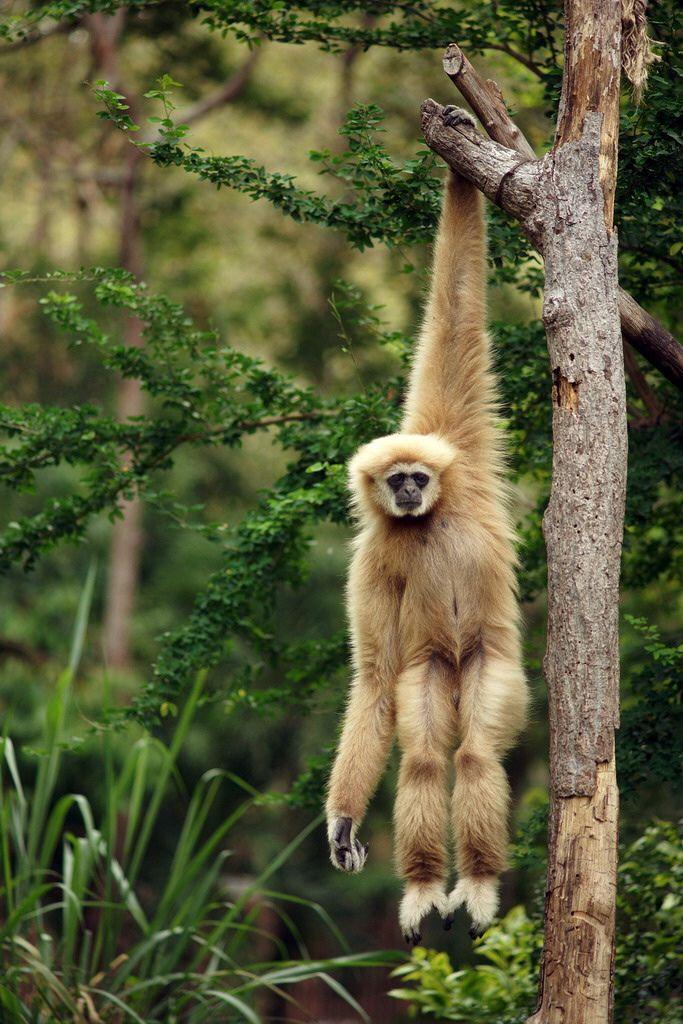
409,489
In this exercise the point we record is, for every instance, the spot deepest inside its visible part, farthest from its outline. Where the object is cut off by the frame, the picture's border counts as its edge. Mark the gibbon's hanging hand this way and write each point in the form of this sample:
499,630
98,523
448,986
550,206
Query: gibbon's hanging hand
346,852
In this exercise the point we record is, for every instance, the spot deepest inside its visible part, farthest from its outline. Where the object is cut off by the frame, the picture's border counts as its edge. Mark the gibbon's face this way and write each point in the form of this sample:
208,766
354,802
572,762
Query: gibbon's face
401,475
407,489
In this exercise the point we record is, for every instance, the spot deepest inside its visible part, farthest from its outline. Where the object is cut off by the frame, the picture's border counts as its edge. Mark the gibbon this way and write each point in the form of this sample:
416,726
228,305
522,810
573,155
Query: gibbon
432,604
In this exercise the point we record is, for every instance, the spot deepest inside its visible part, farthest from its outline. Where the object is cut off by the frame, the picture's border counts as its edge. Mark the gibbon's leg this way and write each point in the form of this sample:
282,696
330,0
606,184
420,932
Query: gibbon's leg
363,750
493,709
425,715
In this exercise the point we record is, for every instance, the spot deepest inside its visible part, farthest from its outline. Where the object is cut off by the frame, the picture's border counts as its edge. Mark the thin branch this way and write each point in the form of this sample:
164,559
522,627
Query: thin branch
21,651
227,93
527,62
267,421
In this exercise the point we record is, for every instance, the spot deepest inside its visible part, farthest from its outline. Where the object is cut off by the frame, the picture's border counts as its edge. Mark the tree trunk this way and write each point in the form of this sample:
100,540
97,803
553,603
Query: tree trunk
583,524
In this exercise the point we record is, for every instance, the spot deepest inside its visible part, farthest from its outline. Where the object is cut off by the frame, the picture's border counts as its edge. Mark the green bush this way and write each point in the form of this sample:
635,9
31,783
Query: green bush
648,965
497,990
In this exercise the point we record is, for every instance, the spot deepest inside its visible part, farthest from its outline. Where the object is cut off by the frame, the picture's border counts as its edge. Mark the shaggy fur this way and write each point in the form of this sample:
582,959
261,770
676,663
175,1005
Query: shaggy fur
432,603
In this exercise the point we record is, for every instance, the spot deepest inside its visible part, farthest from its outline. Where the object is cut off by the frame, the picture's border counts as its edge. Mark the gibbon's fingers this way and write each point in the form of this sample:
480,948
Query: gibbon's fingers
480,896
346,852
453,116
417,902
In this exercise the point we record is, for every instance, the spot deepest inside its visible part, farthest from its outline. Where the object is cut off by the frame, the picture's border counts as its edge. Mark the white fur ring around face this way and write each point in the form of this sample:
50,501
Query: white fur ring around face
417,901
480,897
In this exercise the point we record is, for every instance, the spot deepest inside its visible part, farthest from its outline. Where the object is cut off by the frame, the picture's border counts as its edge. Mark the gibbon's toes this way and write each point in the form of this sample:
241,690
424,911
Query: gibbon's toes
417,902
346,852
413,938
453,116
480,896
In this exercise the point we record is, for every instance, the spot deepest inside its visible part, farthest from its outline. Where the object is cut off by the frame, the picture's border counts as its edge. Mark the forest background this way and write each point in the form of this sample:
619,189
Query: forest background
172,659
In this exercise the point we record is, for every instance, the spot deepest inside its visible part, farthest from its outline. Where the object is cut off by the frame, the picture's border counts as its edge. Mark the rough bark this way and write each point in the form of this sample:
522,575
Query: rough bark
583,524
639,329
590,81
577,968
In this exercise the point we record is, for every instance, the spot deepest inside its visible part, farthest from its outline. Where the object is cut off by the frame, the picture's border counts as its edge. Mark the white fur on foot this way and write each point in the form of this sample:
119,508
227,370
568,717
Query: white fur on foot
417,901
480,896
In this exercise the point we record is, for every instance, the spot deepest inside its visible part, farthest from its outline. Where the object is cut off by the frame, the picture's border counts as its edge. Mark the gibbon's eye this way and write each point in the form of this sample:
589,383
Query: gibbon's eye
421,479
396,480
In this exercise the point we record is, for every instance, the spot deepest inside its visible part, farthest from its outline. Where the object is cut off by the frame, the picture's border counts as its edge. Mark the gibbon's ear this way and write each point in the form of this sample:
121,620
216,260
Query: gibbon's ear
375,458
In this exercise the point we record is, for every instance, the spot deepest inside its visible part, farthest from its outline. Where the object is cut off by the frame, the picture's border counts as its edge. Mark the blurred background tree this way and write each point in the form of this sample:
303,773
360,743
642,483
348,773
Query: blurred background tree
190,433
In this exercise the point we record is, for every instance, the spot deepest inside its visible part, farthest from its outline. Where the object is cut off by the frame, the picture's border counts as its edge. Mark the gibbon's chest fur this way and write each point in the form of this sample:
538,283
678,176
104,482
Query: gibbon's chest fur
431,569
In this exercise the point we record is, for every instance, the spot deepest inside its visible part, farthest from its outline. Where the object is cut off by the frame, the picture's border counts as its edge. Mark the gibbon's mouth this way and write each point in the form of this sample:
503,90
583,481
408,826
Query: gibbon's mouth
409,506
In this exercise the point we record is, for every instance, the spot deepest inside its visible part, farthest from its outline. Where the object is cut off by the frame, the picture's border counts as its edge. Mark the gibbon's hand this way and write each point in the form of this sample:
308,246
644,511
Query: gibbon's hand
346,852
453,116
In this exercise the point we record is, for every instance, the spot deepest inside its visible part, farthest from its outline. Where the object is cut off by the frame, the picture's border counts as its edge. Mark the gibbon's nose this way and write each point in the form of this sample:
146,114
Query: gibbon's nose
408,496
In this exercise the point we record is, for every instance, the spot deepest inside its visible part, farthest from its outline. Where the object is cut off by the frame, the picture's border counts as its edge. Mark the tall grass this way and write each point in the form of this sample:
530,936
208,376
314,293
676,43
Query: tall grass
78,941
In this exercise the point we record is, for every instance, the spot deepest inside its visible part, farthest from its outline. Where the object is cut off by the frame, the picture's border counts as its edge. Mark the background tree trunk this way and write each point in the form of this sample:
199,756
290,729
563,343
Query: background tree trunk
127,537
127,540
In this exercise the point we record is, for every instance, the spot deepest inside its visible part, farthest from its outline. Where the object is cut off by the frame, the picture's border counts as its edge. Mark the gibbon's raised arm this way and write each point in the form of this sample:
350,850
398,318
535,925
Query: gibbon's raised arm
451,389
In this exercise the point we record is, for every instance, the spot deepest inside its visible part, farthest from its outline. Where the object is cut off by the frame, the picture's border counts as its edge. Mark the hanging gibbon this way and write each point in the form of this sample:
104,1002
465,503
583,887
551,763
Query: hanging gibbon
432,604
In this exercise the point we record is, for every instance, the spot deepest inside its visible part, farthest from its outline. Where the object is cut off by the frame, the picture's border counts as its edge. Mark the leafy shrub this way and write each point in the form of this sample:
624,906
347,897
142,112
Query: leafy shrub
497,990
648,966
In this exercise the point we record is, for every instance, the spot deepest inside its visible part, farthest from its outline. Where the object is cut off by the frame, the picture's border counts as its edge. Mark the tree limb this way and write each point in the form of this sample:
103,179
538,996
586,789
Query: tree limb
650,339
638,327
506,179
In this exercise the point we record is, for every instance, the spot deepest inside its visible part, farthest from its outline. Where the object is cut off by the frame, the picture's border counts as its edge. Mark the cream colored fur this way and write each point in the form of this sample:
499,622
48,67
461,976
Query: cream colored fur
432,602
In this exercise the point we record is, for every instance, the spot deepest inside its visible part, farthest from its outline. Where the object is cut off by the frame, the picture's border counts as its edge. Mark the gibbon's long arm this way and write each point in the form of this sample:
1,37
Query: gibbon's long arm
451,390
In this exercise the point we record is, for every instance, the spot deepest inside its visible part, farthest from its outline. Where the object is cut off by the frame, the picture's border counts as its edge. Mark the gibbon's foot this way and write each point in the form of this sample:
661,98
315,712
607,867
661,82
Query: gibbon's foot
480,896
346,852
417,901
453,116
